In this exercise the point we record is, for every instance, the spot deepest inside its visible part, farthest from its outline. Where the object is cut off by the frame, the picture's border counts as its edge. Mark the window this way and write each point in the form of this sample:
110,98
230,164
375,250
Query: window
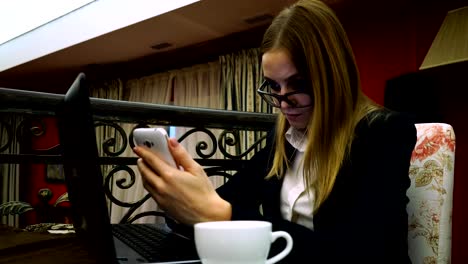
41,32
22,16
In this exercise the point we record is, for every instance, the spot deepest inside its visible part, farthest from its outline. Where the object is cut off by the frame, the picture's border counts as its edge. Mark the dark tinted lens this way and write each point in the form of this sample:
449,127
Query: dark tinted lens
271,86
271,100
298,85
275,99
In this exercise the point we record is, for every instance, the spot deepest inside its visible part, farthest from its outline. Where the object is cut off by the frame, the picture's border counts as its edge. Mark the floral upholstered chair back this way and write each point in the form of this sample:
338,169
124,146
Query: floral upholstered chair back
430,194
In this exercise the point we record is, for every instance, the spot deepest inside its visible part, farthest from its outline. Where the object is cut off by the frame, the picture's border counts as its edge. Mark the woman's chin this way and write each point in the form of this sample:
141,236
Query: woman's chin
298,121
297,125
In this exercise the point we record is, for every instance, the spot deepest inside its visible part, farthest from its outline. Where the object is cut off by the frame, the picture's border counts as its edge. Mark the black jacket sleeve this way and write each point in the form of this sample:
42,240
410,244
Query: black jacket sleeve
244,190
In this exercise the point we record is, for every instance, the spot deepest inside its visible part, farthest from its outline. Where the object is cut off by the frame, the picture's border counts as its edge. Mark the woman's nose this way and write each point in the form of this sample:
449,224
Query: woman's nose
284,90
284,105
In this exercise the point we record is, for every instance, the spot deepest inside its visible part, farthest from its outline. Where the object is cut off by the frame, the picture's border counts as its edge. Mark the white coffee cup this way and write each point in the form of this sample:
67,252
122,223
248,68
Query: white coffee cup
232,242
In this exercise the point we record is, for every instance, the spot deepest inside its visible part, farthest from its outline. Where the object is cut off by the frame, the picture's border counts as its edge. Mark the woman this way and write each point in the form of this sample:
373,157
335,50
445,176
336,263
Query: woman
335,172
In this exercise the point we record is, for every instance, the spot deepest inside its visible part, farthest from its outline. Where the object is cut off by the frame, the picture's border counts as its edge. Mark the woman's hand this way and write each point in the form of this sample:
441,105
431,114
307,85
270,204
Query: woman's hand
187,196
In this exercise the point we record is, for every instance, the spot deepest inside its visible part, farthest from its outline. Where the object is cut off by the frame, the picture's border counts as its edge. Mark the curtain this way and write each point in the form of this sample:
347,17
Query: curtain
199,86
9,173
241,75
229,83
156,89
110,89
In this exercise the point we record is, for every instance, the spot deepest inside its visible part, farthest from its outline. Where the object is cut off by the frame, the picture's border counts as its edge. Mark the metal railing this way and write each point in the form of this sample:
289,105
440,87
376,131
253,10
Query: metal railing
222,151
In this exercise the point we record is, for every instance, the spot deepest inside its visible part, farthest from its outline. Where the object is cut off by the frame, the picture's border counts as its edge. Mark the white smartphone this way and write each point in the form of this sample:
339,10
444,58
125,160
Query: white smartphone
156,140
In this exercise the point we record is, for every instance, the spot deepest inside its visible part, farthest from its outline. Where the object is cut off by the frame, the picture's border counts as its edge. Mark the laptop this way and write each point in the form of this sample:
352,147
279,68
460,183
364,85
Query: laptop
108,243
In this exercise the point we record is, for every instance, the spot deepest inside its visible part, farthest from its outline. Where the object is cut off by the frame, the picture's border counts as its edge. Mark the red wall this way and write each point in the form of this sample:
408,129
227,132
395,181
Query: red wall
387,45
36,178
382,51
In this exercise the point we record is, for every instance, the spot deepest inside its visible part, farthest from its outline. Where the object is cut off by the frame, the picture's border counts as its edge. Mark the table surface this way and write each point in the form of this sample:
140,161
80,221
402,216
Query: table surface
19,246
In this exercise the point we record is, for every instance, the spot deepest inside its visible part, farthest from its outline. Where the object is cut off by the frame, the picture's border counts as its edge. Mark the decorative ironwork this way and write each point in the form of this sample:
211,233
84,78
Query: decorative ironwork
30,125
121,183
33,106
203,145
9,135
234,141
110,143
143,214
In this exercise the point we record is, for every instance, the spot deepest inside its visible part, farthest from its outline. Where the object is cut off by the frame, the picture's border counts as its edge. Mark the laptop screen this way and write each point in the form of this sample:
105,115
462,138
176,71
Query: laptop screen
82,171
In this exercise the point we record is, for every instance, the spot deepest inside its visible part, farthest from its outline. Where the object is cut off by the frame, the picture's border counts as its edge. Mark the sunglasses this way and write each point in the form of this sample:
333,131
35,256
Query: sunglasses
275,100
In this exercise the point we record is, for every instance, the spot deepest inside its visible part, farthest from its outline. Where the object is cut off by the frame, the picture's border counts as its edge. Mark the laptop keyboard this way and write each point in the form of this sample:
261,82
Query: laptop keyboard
155,243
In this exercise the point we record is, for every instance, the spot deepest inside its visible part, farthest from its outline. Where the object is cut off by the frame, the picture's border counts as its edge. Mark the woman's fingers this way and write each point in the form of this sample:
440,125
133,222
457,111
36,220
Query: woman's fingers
183,158
158,165
149,177
187,195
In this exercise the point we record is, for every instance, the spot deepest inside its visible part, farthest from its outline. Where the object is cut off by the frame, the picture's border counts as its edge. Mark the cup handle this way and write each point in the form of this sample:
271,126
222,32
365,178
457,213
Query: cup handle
289,244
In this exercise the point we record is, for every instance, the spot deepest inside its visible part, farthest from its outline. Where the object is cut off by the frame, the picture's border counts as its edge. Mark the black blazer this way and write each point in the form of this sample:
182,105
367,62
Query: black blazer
364,219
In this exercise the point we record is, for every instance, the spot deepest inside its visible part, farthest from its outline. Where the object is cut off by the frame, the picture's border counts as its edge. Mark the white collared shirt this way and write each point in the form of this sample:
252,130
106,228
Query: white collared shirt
297,204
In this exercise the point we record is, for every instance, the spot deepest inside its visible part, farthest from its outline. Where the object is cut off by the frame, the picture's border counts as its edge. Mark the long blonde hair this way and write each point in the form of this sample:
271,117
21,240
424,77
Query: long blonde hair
319,48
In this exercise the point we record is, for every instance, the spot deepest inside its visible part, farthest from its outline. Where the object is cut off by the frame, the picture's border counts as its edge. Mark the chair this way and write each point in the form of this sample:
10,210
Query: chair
430,194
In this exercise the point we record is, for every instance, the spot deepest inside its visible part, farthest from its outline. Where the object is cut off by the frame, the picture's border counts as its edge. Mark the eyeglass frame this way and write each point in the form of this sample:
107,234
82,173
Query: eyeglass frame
279,97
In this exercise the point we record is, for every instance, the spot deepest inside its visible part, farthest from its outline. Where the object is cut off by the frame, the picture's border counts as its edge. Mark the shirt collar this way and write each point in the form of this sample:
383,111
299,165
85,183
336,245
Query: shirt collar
297,139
